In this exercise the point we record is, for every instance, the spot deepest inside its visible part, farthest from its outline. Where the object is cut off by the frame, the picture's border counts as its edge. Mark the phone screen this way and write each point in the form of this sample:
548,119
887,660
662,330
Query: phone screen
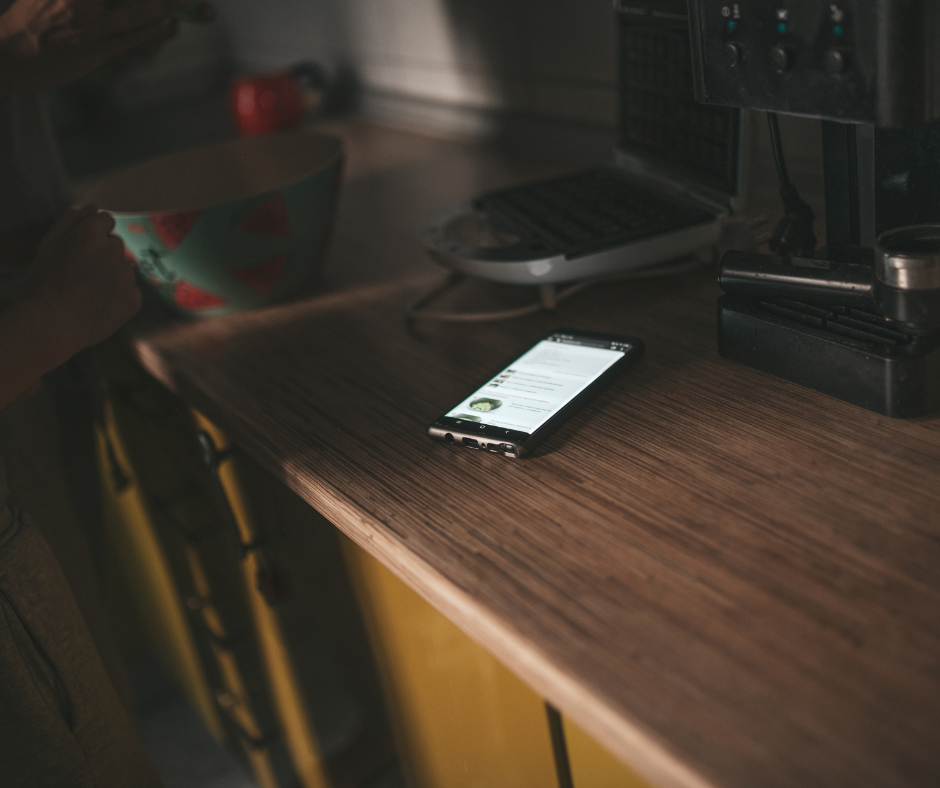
541,382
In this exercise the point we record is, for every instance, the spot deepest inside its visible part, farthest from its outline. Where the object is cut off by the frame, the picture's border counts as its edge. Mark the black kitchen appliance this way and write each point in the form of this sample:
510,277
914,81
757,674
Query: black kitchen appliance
675,181
860,318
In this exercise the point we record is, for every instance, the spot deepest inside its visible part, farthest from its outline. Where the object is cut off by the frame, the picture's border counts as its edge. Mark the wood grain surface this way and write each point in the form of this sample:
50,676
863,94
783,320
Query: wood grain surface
727,579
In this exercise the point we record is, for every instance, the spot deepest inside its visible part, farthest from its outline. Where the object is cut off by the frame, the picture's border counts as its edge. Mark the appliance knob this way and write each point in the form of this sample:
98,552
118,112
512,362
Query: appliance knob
732,53
781,58
834,62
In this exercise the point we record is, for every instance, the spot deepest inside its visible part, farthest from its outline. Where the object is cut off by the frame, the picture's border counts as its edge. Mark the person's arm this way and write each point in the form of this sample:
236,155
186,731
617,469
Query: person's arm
81,289
29,348
45,44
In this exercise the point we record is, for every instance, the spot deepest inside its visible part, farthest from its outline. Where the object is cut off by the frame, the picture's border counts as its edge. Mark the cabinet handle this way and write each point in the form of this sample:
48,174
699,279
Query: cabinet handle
272,585
213,458
228,703
119,479
559,747
225,642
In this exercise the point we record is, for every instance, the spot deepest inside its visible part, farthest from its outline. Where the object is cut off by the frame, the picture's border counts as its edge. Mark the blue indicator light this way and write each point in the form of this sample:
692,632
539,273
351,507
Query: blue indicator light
782,27
837,30
732,24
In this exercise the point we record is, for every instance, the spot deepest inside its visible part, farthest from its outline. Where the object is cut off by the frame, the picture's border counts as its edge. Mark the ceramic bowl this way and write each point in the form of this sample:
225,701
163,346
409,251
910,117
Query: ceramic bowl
231,226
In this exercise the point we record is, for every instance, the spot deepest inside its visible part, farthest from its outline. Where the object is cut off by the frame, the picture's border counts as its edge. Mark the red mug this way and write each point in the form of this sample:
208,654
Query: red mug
266,103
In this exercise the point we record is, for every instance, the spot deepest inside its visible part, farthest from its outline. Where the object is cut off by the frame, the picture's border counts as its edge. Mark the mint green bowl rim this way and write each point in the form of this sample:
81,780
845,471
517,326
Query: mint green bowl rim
325,152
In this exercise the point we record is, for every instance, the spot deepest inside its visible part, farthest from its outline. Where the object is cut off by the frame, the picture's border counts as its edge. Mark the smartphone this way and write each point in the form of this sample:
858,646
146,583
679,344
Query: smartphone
520,406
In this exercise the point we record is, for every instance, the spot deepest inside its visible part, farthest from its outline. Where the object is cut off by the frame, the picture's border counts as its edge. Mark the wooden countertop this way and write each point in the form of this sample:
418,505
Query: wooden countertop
729,580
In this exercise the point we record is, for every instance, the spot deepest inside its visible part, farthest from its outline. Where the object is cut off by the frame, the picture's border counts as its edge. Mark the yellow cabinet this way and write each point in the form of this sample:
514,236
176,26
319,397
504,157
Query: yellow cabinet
244,591
461,719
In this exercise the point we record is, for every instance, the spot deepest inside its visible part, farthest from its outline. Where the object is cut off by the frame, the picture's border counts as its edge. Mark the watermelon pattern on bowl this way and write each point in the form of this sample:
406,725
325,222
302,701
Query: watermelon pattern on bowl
269,218
172,228
212,231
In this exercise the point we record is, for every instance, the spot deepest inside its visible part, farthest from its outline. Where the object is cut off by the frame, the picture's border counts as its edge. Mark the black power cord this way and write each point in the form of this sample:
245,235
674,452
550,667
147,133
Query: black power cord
793,235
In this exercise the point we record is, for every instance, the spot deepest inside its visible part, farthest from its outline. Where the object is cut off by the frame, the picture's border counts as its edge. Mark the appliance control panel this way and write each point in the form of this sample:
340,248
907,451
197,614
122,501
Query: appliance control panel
868,61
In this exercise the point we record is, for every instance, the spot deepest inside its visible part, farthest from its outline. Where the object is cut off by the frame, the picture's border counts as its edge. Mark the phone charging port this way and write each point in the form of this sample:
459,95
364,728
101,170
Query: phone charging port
471,442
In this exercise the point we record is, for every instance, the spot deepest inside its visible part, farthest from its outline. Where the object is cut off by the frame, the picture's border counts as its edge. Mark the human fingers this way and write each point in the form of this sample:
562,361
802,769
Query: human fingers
69,217
91,233
38,16
63,223
123,277
62,18
104,220
114,253
87,57
116,245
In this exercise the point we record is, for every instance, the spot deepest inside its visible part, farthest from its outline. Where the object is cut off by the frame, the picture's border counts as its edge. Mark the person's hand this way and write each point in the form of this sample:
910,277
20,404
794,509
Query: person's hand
80,290
45,44
81,279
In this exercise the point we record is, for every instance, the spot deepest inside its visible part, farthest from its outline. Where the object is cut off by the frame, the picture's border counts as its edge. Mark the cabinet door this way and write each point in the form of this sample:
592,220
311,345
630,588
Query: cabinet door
460,718
317,662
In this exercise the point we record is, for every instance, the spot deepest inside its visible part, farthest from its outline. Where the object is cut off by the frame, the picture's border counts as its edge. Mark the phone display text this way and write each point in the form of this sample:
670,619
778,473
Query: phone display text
540,383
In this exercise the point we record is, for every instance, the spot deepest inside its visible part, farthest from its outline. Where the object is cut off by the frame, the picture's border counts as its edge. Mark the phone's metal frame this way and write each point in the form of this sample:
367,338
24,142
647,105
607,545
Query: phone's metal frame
472,435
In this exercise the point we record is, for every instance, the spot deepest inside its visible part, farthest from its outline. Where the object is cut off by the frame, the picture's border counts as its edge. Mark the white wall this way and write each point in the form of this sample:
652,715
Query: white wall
454,64
553,58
